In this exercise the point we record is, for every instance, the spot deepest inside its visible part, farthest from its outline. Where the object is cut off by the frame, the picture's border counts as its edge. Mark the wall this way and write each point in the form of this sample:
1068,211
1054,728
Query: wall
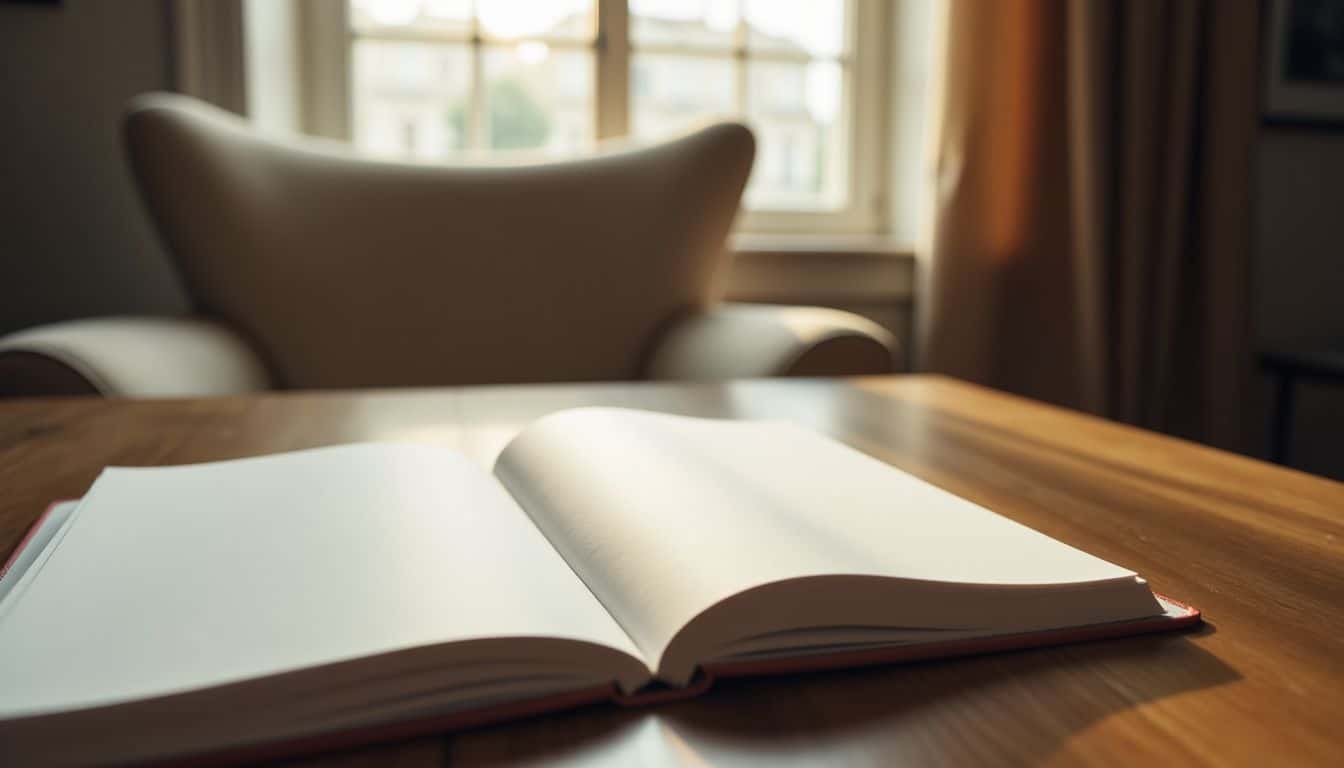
1299,273
73,238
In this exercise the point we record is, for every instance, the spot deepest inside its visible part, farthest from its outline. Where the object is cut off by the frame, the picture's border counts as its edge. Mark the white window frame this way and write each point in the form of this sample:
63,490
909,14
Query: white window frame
325,70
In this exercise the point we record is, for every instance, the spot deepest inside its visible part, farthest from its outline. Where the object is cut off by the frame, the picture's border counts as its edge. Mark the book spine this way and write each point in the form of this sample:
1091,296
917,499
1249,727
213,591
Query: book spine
657,693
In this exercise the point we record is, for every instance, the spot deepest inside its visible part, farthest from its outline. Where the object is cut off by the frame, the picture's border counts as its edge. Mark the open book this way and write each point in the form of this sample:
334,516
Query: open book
301,601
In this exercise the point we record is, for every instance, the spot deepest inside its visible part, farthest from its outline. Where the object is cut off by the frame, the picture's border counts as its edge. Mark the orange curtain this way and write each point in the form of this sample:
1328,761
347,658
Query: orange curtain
1091,222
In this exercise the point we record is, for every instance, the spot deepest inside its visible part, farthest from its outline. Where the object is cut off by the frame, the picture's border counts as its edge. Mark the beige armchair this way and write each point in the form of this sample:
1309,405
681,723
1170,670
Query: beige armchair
311,268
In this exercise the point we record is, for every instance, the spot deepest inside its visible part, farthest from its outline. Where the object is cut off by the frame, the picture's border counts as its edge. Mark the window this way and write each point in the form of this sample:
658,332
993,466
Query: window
445,79
780,65
489,75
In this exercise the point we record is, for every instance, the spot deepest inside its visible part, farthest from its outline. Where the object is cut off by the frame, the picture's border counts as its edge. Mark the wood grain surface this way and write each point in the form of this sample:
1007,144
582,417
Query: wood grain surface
1259,548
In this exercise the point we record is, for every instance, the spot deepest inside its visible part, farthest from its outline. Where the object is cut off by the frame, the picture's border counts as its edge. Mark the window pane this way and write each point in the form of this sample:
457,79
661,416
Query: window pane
668,93
806,27
801,151
411,99
539,98
515,19
683,23
442,16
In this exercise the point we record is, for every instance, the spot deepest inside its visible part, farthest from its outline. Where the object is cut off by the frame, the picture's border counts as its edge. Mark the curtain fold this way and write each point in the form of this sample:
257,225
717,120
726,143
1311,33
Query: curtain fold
1090,241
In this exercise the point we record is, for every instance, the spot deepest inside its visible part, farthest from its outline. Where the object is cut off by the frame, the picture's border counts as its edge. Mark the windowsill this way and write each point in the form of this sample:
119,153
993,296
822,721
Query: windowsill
809,269
850,246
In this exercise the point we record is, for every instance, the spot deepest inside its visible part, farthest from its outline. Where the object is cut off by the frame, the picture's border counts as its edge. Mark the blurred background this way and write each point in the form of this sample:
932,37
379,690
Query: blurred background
1129,208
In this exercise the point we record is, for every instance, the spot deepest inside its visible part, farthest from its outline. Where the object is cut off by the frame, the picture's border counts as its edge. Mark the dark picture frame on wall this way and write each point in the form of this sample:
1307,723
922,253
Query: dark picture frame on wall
1304,63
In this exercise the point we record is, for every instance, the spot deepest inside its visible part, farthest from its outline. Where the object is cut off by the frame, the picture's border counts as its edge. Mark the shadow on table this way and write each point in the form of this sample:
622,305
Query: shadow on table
1015,707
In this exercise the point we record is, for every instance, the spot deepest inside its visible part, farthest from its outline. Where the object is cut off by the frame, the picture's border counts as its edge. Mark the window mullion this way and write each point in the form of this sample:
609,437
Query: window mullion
740,62
476,130
612,68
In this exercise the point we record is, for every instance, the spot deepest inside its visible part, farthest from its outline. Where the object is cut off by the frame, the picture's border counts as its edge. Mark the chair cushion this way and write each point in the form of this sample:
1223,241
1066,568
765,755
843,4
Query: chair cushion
348,272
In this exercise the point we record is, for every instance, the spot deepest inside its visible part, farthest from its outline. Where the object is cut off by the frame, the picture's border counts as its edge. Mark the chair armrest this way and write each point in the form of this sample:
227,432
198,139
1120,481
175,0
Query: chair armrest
129,357
753,340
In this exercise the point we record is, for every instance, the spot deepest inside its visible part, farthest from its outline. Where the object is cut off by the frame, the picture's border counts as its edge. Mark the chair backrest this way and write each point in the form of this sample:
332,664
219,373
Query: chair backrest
347,272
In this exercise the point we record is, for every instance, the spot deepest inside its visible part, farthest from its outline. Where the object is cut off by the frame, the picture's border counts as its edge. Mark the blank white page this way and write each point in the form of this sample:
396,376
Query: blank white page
177,578
664,516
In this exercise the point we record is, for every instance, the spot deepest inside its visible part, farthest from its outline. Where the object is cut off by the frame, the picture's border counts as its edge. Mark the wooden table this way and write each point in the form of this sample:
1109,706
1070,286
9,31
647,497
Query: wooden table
1259,548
